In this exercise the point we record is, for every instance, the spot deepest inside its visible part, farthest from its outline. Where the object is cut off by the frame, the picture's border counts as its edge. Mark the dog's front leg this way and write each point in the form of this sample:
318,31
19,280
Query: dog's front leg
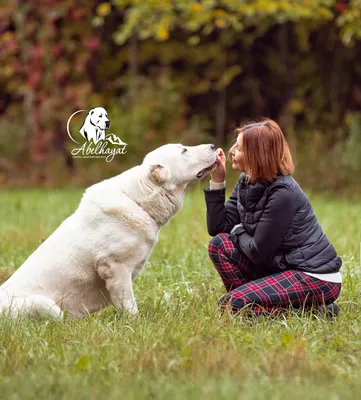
118,281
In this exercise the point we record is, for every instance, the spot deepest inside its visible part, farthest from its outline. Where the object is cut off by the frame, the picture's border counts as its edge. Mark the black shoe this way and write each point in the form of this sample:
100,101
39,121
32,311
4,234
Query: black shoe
329,311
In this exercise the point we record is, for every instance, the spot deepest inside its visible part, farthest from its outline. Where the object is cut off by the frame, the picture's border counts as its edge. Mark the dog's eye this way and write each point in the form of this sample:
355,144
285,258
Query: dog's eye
100,115
184,151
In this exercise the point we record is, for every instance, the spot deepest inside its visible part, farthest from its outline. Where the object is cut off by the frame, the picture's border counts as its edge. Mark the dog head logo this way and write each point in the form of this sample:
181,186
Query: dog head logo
99,144
95,125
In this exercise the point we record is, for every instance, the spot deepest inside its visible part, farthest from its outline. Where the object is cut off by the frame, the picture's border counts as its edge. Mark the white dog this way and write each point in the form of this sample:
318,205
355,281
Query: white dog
95,125
93,256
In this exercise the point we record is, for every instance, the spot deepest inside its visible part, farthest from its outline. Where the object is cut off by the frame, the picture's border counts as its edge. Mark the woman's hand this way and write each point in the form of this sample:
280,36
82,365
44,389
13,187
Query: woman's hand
219,174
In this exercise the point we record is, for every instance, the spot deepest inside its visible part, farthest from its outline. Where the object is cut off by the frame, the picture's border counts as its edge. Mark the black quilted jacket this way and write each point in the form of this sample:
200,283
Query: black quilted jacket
279,229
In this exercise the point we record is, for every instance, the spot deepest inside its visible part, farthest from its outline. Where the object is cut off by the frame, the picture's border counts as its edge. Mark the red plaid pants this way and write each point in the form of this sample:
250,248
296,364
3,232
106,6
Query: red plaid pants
248,286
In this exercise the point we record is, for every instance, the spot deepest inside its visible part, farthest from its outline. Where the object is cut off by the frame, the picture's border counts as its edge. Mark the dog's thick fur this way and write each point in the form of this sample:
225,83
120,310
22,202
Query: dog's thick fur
90,261
95,125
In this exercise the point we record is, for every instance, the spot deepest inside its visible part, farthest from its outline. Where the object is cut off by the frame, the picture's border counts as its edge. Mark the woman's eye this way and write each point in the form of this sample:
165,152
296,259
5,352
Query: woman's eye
184,151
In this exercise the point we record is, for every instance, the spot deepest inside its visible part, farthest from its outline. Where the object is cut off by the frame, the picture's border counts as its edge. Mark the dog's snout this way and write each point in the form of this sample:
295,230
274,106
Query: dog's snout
107,124
213,147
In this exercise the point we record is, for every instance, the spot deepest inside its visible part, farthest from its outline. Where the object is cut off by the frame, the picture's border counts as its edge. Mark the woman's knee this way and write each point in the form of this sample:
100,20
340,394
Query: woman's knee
216,246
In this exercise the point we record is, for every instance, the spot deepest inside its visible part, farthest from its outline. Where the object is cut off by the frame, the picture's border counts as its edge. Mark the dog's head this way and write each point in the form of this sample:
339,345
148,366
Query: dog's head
99,117
175,165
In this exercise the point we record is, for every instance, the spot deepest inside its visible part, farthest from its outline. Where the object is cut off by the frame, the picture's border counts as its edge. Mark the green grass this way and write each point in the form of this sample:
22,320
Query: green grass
179,346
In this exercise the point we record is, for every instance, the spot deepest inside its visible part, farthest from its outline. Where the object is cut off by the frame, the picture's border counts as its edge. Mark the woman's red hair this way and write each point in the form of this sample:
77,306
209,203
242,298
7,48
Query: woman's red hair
265,151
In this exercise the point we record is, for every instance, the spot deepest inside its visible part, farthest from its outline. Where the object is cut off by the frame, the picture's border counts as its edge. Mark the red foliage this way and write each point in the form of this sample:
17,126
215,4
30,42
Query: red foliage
37,53
56,50
341,7
91,43
34,78
77,14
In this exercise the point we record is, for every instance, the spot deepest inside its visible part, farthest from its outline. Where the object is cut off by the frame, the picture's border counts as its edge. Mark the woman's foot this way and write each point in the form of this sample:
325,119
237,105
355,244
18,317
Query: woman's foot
328,311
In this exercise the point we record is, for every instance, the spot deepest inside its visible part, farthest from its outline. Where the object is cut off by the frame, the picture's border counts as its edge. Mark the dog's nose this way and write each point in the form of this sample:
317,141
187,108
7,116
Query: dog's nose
107,124
213,147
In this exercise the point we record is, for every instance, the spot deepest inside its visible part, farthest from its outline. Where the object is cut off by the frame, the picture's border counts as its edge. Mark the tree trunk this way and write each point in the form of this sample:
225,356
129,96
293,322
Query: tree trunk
286,117
221,116
133,65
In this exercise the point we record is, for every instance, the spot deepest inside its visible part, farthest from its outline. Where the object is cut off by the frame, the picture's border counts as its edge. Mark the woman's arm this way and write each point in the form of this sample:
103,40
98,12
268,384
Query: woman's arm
221,217
271,228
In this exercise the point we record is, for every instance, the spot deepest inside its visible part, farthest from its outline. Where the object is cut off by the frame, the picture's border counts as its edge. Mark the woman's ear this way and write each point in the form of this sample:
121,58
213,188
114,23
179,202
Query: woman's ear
159,173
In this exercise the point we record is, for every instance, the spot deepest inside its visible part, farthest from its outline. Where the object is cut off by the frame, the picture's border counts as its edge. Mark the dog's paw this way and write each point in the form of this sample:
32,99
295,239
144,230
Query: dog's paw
131,308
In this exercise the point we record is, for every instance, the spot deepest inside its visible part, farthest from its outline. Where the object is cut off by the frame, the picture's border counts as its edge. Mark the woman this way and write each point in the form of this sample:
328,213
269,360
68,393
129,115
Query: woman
268,246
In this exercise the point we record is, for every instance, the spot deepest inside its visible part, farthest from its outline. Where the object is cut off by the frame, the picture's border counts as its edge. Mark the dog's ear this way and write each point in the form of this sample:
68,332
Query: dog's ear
158,173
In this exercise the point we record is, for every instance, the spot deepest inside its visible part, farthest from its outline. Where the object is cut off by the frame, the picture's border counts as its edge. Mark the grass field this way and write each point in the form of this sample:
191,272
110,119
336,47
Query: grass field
180,346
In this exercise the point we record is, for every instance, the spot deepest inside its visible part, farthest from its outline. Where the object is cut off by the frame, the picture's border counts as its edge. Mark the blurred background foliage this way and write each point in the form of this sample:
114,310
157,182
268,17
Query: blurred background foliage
179,71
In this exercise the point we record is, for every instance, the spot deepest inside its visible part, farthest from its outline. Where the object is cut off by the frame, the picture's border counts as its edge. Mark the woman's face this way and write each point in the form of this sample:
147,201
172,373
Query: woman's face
236,153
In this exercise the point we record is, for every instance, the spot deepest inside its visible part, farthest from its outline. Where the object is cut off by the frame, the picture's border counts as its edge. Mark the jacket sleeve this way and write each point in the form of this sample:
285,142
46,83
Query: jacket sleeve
221,217
271,228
